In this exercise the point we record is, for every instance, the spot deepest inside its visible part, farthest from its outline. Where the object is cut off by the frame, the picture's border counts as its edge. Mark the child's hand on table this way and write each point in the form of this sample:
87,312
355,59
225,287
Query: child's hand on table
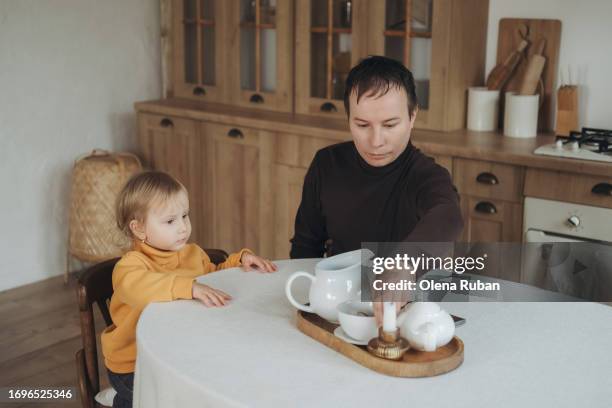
211,297
253,262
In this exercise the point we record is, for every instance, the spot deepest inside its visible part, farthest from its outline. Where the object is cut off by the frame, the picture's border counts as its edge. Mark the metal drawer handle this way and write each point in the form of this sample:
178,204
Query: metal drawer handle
328,107
199,91
165,122
487,178
604,189
256,98
235,133
485,207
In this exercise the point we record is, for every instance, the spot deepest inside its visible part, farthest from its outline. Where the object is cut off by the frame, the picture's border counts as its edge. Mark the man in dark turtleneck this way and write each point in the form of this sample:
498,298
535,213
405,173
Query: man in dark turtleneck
377,187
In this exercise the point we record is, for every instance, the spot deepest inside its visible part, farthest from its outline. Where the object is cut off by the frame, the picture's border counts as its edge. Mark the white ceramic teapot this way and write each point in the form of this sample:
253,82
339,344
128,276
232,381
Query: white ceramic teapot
426,326
336,280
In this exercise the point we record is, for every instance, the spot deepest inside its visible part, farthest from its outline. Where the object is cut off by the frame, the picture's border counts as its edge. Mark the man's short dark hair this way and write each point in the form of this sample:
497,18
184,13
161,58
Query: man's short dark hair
376,75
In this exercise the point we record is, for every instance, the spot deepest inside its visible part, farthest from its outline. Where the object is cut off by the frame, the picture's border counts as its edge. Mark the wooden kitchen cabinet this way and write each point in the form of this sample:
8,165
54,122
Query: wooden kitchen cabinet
287,195
232,51
489,179
491,200
491,227
492,208
331,37
581,189
198,57
444,47
488,220
242,52
174,145
298,151
245,173
444,161
239,188
292,157
261,45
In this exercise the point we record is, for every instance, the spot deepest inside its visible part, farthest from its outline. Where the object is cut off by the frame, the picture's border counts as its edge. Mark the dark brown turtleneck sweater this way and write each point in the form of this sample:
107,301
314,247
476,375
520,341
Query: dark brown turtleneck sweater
346,200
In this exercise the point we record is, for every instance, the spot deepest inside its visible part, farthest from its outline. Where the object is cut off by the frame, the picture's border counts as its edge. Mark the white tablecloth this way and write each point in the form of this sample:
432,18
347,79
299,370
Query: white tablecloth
251,354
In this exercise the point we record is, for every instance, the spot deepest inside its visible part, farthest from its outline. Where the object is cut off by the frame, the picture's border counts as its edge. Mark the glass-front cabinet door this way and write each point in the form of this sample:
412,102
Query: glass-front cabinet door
402,30
407,37
331,37
442,42
261,44
198,55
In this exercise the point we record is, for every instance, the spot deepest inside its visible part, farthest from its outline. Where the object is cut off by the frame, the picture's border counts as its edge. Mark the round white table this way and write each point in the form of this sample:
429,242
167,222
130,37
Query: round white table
251,354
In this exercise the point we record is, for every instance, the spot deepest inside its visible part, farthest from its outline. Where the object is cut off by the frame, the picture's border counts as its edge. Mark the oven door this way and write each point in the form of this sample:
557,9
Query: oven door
568,248
568,265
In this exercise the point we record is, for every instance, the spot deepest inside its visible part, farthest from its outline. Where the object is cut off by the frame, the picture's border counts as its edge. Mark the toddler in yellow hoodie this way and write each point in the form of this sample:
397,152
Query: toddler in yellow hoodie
153,209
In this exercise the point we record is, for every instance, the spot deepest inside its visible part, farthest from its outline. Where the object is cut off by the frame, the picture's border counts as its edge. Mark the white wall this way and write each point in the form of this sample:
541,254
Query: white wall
586,47
70,71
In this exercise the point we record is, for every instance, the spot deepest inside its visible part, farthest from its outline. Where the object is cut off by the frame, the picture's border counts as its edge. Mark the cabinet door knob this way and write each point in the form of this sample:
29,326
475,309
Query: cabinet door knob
199,91
256,98
485,207
167,123
487,178
328,107
604,189
235,133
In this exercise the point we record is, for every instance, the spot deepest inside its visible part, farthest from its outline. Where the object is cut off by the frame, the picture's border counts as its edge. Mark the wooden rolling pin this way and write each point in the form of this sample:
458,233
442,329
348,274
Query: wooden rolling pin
533,73
502,73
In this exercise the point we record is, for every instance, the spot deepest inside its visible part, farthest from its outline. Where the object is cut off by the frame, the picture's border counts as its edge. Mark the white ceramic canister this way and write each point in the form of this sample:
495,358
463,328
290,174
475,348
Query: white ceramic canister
521,115
483,109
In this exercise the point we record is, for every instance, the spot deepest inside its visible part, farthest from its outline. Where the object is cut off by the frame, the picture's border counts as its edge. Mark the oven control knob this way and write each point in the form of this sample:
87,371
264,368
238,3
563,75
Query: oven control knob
559,144
574,146
574,221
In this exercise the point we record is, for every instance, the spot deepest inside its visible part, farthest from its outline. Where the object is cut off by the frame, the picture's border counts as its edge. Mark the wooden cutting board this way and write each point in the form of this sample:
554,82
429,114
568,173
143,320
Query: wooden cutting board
508,40
414,363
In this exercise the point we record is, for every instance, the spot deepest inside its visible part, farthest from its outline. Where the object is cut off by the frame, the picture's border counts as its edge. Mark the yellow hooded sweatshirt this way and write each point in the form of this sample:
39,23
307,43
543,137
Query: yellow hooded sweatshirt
146,275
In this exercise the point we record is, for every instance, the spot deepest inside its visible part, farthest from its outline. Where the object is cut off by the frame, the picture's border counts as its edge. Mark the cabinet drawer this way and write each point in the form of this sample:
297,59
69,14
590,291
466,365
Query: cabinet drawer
487,179
490,226
152,121
570,187
231,134
488,221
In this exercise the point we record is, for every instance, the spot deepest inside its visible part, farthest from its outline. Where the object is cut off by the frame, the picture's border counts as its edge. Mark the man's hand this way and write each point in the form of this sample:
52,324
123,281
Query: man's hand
211,297
253,262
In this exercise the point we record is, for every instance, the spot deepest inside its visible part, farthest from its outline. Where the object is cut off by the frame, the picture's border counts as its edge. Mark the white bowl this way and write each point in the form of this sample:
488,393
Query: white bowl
357,319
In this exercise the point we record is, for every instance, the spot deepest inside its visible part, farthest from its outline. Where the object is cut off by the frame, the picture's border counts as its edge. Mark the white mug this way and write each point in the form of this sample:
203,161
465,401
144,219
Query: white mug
336,280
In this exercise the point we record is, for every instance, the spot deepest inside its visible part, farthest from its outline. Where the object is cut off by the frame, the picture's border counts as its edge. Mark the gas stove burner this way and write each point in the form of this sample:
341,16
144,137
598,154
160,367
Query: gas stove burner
588,144
597,140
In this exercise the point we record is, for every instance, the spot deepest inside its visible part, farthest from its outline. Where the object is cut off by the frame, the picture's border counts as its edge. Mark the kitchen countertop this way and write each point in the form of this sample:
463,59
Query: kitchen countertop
490,146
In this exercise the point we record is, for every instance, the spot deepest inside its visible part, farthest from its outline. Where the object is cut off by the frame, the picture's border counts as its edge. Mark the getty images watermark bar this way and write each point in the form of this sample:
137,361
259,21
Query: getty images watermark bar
504,271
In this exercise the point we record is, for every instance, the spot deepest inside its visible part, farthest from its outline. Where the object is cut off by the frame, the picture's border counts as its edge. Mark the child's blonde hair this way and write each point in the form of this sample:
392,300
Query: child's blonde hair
140,193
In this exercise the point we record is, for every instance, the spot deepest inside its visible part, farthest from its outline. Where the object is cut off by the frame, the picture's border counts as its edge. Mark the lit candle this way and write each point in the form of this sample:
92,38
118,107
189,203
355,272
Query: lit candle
389,318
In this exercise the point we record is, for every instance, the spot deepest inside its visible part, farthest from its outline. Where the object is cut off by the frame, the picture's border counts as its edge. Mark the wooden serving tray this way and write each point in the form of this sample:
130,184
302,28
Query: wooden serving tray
414,363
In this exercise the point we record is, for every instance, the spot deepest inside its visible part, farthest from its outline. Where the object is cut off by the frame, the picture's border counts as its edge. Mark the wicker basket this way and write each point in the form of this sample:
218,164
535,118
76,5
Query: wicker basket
97,179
